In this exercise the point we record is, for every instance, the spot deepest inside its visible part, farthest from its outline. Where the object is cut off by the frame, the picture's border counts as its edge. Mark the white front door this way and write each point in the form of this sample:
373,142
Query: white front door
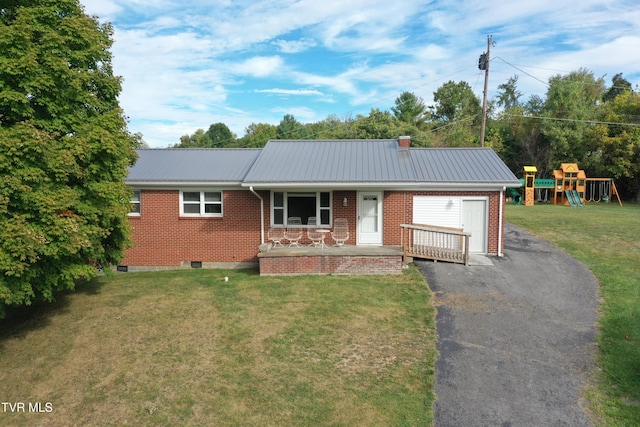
474,221
370,218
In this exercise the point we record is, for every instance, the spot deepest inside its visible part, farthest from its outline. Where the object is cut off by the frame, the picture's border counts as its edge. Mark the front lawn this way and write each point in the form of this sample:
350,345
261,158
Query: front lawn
187,348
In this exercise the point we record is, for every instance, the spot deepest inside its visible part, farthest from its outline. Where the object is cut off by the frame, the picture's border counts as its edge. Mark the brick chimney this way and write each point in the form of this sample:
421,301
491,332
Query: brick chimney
404,142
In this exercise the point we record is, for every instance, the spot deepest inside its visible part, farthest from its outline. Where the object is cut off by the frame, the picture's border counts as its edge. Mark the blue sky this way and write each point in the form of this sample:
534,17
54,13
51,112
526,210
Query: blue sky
190,63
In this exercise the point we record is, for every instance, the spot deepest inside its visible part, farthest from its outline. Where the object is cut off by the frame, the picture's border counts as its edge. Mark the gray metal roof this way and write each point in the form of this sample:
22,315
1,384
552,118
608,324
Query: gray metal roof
193,165
331,161
478,165
323,162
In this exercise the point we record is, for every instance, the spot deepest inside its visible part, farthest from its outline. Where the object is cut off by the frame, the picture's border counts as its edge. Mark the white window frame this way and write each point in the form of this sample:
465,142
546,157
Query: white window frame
319,208
136,201
202,203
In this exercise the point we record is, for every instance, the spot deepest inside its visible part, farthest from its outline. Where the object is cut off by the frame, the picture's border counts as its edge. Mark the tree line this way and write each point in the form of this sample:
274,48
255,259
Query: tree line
580,120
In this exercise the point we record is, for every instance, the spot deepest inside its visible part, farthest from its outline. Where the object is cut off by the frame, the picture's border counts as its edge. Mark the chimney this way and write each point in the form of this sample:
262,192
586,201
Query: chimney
404,142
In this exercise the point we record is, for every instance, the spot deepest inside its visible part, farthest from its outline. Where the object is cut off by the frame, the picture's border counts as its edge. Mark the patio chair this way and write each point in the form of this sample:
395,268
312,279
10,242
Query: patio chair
293,232
312,233
340,231
276,235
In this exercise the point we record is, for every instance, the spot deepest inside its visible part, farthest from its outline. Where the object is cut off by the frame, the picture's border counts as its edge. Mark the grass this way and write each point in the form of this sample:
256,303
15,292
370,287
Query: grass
605,237
187,348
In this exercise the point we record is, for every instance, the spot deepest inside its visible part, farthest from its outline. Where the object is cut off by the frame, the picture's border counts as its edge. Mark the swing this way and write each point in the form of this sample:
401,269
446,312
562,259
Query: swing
540,198
592,192
605,191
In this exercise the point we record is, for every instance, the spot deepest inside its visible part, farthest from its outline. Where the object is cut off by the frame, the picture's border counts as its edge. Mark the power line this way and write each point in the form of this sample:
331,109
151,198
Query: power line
522,71
559,119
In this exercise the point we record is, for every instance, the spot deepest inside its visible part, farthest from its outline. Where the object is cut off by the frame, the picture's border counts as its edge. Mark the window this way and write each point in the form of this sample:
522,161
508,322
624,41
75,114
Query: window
135,203
201,203
301,204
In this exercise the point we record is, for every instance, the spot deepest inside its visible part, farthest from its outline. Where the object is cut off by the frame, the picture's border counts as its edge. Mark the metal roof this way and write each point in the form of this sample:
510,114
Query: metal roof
192,165
331,161
335,163
478,165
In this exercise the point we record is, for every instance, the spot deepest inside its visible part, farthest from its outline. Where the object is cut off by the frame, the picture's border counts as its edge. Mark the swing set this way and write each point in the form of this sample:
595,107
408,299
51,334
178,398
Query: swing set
569,186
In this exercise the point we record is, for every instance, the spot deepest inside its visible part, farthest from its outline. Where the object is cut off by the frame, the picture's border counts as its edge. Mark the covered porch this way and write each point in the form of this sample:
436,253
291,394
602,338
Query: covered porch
347,259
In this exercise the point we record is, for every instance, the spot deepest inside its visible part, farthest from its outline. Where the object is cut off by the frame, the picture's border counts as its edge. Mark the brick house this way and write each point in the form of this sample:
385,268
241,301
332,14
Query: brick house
214,206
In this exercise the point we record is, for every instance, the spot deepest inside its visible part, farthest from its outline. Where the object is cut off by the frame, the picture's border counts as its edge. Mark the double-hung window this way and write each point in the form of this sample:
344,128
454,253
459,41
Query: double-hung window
201,203
286,204
135,203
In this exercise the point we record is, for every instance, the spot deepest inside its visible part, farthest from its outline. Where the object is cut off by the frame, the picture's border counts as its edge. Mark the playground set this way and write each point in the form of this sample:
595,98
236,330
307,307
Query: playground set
569,186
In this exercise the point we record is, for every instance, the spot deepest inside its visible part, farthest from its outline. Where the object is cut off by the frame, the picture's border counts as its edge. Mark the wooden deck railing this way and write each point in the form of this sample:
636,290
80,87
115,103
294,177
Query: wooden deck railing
437,243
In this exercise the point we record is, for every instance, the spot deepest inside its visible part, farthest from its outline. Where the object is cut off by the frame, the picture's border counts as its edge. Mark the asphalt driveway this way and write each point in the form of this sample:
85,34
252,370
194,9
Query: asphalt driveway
516,337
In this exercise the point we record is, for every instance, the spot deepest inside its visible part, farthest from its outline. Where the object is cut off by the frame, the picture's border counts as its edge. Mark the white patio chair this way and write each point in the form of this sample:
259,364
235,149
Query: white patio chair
340,231
293,232
312,234
276,235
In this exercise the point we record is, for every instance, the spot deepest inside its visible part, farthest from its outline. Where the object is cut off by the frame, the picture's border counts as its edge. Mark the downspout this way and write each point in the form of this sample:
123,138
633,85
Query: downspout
500,219
261,214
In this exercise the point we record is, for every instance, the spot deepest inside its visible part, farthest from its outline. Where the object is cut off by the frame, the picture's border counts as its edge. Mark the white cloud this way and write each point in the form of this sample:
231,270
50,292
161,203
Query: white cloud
101,8
187,64
259,66
297,112
294,46
290,91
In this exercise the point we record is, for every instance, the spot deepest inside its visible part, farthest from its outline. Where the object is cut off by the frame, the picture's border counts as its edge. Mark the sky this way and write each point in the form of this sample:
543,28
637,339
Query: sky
187,64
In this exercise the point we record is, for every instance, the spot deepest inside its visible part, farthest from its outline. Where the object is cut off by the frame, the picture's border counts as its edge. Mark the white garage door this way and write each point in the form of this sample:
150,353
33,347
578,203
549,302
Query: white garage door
440,211
468,213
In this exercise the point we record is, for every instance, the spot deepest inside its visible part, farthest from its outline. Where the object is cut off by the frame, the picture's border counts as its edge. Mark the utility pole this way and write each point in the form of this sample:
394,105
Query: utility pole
483,64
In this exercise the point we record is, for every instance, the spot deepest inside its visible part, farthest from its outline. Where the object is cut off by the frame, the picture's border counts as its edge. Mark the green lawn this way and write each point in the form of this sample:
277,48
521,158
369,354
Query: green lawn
187,348
606,238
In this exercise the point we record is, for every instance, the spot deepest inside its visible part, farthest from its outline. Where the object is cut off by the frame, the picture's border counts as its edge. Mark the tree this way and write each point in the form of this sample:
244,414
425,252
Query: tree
619,85
64,150
572,101
218,135
455,102
615,143
290,128
410,108
455,116
508,94
198,139
257,135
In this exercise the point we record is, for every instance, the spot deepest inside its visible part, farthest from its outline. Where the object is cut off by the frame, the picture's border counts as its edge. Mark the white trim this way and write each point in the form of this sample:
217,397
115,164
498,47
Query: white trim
201,203
319,208
328,186
485,226
261,214
139,202
380,223
386,186
500,222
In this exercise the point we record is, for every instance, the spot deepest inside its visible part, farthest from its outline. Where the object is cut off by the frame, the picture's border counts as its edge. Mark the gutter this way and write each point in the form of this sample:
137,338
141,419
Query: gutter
261,214
500,222
386,185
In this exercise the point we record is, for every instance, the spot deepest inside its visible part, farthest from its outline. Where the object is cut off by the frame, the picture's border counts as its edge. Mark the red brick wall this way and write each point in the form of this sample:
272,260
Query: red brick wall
278,266
398,209
349,212
162,238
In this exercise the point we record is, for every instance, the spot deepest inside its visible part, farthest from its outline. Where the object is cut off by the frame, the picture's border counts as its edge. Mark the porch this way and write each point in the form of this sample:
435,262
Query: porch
347,259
